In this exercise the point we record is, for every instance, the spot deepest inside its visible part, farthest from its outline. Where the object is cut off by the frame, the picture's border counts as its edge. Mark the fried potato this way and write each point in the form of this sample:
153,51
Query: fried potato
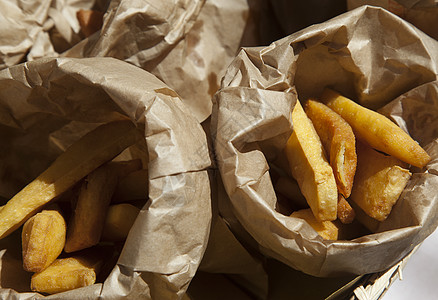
43,238
64,275
379,182
126,167
377,130
326,229
118,222
346,213
134,186
310,167
90,21
339,142
88,153
85,227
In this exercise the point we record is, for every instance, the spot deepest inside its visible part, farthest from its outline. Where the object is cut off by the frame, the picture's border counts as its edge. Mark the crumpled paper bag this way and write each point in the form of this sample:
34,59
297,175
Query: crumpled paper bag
421,13
47,104
367,54
188,44
33,29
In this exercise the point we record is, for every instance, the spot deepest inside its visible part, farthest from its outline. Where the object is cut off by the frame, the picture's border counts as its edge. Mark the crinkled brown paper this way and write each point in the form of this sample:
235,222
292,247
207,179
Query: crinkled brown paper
33,29
188,44
47,104
421,13
367,54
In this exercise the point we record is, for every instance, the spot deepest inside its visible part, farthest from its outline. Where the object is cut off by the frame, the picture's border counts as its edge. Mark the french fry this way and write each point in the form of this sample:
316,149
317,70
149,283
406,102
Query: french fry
377,130
379,182
43,238
88,153
87,223
346,213
85,227
65,274
118,222
126,167
133,186
326,229
339,142
310,167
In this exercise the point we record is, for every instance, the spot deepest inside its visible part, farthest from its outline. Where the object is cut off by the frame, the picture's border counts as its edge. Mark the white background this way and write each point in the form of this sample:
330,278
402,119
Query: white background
420,275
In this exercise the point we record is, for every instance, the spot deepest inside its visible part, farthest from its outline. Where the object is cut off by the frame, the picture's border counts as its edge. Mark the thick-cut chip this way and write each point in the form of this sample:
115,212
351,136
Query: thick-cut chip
310,167
379,182
126,167
339,142
88,153
118,222
326,229
86,225
65,274
346,213
43,238
377,130
134,186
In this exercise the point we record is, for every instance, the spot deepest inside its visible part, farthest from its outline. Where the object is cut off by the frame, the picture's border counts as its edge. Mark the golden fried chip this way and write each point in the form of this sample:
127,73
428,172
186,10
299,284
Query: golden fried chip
126,167
310,167
326,229
88,153
43,238
346,213
339,142
64,275
377,130
86,225
118,222
379,182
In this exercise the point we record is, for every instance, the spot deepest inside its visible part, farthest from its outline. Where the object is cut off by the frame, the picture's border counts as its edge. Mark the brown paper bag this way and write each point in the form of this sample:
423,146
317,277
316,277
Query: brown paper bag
188,44
369,55
33,29
421,13
47,104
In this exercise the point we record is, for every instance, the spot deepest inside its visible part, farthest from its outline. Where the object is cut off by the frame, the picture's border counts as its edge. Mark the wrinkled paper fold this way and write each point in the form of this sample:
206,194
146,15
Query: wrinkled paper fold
188,44
421,13
34,29
45,105
369,55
